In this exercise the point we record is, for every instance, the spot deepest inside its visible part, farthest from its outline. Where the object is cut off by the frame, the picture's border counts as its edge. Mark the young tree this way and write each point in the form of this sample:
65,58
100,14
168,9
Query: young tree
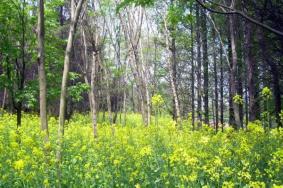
75,12
205,64
41,68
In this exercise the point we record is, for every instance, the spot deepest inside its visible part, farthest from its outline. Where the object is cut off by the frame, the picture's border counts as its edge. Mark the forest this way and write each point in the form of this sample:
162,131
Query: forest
141,93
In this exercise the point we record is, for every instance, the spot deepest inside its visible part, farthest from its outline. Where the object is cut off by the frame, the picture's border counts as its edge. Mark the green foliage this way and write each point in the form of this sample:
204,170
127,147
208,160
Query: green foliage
142,3
157,101
266,93
162,156
238,99
77,90
174,15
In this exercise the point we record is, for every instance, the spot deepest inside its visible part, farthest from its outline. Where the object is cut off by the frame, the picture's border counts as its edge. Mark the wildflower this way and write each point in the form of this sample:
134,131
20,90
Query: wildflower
83,148
204,139
87,165
116,162
146,151
19,165
228,184
46,183
47,146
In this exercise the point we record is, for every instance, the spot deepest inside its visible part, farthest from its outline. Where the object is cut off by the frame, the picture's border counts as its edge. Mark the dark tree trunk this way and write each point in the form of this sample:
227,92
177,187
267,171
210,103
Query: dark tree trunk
233,73
215,81
221,89
193,77
205,65
199,100
275,77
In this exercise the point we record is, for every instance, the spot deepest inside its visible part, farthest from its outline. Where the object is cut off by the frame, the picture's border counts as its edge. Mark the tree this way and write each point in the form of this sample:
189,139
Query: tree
205,65
41,68
74,20
75,12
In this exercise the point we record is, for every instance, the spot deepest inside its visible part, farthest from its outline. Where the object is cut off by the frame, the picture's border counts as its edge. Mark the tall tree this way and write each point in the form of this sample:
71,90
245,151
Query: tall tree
205,65
199,85
72,31
192,74
41,68
233,72
215,79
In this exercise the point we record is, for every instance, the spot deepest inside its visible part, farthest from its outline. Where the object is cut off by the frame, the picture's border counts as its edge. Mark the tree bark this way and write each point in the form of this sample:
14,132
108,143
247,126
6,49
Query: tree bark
233,80
199,64
41,69
215,81
68,51
4,98
108,95
221,89
173,78
275,77
205,65
93,92
63,95
250,62
193,76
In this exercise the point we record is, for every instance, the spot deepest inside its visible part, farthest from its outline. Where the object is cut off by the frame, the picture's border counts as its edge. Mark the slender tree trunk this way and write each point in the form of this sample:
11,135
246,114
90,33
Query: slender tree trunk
108,96
215,81
173,78
86,66
233,71
250,62
124,107
230,100
4,98
62,108
205,65
199,64
21,69
246,103
145,86
68,51
193,76
93,93
275,77
41,69
221,89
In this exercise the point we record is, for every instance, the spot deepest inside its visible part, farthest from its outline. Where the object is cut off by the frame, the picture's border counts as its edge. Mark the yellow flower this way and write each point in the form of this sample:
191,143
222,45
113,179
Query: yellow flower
257,184
146,151
193,177
204,140
47,146
83,148
228,184
277,186
87,165
19,165
138,186
37,152
116,162
46,183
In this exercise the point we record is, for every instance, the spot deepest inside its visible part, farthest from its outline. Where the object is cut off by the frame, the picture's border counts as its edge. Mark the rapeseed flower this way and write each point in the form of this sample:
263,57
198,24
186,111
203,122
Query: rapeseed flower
19,165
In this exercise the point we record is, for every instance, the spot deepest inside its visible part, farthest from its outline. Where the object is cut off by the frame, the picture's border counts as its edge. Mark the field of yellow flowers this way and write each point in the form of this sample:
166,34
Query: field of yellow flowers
138,156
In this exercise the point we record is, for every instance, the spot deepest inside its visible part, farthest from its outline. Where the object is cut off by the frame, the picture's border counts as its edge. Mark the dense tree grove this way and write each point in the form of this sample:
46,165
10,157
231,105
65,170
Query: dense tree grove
215,63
